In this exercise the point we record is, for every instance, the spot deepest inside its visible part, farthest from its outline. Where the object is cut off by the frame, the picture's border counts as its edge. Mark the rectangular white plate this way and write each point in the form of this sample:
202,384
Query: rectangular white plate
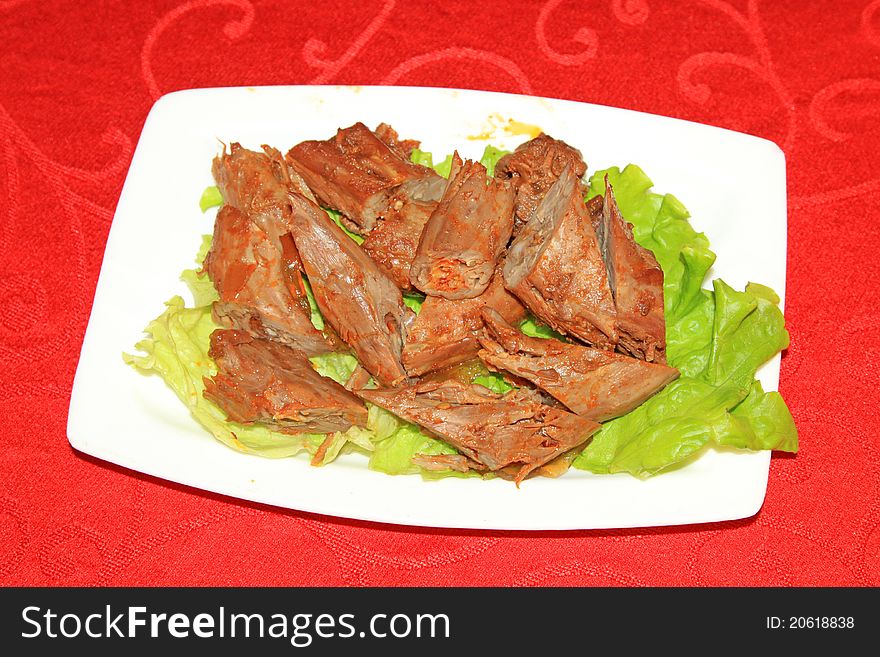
733,184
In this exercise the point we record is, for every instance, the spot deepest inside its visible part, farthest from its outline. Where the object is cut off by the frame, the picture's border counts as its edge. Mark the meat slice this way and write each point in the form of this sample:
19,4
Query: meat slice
357,174
533,168
555,267
258,185
287,175
595,384
594,209
255,293
494,430
362,304
263,381
456,462
292,269
402,147
444,333
393,242
465,235
637,284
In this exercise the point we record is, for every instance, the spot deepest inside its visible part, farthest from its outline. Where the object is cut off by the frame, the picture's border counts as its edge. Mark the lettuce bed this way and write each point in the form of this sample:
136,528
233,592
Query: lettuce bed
717,338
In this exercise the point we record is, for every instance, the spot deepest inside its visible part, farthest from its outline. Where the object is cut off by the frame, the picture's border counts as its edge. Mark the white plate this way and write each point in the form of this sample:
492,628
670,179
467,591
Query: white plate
733,184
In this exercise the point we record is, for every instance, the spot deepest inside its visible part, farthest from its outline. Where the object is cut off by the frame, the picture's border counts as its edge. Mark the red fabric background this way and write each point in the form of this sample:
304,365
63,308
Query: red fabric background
76,82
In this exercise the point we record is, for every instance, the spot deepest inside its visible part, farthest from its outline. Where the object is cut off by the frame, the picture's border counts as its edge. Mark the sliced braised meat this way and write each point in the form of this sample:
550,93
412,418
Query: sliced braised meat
357,174
494,430
402,147
258,185
442,335
362,304
255,294
555,267
292,270
594,383
263,381
465,235
533,168
287,175
358,379
637,284
393,242
444,332
456,462
594,209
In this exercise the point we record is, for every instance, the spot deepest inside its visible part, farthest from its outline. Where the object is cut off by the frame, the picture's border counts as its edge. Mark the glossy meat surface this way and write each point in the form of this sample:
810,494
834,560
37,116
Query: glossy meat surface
361,303
556,268
496,431
357,174
637,284
255,293
401,147
595,384
393,242
444,332
466,234
263,381
533,168
258,184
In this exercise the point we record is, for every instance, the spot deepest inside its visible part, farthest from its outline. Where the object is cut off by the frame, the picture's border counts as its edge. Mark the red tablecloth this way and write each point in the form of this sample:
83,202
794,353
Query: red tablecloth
77,81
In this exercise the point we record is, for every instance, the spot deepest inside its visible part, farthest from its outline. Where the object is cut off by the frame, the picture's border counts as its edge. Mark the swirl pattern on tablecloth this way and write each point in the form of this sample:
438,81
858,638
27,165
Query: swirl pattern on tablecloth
73,102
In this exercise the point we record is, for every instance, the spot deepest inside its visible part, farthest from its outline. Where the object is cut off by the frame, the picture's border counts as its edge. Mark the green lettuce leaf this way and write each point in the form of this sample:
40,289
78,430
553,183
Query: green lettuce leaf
717,338
490,158
444,168
535,329
748,331
210,198
337,219
425,158
761,421
668,428
494,382
337,366
396,442
176,348
414,301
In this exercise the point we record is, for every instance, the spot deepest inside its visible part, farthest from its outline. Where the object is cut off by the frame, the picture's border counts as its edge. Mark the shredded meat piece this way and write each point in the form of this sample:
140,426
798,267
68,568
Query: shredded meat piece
402,147
444,332
255,294
637,284
593,383
357,174
393,242
533,168
494,430
555,267
263,381
361,303
466,234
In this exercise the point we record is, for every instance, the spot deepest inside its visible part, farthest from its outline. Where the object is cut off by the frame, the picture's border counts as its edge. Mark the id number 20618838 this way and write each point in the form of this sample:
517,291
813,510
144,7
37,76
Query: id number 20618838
810,623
